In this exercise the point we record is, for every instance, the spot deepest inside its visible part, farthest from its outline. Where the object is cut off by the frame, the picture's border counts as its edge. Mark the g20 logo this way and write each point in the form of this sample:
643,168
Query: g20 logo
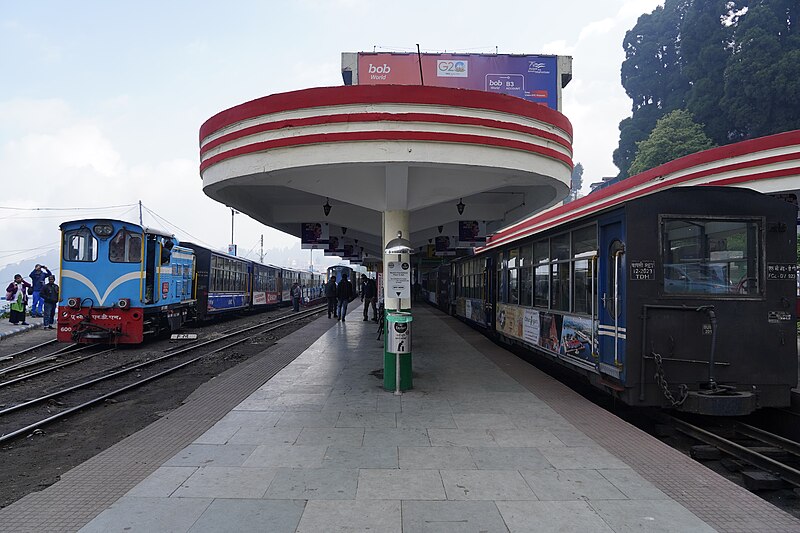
450,68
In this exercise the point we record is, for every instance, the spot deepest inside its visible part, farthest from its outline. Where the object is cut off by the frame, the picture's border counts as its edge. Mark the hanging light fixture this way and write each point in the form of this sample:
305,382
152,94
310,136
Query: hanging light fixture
460,206
327,207
399,245
344,230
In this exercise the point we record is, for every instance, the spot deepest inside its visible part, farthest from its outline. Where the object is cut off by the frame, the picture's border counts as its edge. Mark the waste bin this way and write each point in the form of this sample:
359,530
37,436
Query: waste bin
398,344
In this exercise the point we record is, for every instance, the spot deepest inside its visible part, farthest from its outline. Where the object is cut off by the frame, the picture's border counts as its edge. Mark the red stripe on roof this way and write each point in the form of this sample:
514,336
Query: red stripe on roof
323,138
383,94
384,117
575,211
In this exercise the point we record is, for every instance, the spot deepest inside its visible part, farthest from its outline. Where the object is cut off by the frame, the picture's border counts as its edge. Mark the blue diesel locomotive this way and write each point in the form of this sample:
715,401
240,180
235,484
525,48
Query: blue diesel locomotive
121,281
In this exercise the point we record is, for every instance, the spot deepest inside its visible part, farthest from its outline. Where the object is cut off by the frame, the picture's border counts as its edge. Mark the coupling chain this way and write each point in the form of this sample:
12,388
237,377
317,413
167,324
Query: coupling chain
661,379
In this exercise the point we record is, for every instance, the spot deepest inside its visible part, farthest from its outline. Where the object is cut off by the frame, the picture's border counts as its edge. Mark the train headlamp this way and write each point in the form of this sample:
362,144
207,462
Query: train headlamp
74,303
124,303
103,230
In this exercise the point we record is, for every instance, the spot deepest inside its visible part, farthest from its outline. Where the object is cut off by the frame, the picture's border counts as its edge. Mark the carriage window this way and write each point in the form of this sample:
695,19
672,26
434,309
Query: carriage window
80,245
125,247
541,257
584,247
704,256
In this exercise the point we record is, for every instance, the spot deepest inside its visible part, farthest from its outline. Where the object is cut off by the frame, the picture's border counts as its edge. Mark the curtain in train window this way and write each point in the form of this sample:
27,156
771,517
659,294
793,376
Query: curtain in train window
711,256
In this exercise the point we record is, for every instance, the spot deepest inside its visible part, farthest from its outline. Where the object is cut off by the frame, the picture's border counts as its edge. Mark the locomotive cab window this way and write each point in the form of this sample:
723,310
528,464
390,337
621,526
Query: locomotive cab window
717,257
80,245
125,247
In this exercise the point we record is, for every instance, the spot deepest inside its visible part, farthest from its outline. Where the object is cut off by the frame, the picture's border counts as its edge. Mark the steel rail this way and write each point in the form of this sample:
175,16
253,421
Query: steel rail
768,438
66,412
29,349
51,368
740,452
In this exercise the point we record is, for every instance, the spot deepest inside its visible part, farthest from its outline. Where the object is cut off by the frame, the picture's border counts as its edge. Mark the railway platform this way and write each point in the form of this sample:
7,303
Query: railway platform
304,438
7,329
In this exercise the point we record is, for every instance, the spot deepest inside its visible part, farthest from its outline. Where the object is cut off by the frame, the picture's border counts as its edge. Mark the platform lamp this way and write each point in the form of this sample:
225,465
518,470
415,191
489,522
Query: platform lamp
460,206
327,207
398,246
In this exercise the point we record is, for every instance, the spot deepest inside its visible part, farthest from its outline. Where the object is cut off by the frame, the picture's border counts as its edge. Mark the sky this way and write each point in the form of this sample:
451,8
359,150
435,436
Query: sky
101,102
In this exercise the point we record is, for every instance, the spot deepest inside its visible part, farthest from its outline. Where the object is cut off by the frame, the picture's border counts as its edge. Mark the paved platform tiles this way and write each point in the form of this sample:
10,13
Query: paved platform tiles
321,447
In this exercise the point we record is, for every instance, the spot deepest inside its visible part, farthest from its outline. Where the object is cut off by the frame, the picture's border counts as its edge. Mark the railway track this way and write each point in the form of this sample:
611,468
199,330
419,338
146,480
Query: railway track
768,452
28,416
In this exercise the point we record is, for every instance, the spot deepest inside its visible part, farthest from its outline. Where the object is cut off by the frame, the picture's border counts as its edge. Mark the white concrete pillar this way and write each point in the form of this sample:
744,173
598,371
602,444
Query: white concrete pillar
394,221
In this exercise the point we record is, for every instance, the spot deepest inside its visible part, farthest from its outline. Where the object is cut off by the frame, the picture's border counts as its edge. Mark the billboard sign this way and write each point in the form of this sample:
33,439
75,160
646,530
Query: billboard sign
471,233
531,77
314,235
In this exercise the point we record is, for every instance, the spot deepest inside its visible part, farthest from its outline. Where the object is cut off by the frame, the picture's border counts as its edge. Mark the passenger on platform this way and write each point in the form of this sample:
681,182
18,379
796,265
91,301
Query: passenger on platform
296,293
345,293
330,294
369,295
17,294
50,295
38,277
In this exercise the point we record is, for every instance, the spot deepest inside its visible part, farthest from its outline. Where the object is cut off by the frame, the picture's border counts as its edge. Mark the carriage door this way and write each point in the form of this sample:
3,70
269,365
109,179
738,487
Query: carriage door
151,266
489,275
611,278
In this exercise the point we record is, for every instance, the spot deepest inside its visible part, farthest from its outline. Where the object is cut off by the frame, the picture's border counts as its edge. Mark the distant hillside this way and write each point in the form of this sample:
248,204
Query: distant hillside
49,259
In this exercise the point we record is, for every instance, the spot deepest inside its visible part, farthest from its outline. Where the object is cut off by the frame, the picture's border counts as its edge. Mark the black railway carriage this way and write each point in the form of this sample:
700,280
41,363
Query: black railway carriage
682,298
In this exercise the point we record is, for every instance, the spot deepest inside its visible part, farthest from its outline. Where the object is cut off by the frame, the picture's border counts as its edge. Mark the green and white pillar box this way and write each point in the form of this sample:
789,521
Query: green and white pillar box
397,351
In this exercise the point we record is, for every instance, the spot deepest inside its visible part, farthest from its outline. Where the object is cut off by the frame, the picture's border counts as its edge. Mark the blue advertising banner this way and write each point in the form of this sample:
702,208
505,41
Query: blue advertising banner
531,77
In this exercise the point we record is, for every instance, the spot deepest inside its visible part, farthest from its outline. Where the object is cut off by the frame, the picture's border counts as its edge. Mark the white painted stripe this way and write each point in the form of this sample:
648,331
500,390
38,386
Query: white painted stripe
180,255
353,127
77,276
349,109
611,334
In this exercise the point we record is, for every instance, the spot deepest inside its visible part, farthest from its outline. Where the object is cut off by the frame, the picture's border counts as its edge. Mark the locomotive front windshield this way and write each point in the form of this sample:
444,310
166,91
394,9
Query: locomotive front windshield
80,245
711,256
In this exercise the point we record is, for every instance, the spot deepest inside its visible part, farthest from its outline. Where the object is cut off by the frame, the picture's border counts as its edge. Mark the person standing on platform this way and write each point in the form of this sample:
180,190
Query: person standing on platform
330,294
38,276
344,291
295,293
50,295
17,294
369,295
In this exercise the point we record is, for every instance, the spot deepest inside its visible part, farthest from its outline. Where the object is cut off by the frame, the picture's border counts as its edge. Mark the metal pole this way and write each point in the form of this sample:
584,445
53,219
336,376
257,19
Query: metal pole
419,58
232,213
140,212
262,249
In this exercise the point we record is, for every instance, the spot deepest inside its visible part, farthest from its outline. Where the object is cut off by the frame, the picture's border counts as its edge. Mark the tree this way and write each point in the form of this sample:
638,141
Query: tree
575,182
651,75
733,64
675,135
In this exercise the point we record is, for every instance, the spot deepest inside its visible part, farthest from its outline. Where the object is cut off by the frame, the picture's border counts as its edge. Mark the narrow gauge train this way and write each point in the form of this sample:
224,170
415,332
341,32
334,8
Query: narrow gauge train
682,298
121,281
351,272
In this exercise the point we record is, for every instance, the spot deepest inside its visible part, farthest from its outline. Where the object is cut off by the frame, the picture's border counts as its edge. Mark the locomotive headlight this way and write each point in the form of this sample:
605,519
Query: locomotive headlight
103,230
74,303
124,303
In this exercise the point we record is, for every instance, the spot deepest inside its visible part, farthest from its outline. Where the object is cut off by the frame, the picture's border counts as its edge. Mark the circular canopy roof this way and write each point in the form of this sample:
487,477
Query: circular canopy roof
369,149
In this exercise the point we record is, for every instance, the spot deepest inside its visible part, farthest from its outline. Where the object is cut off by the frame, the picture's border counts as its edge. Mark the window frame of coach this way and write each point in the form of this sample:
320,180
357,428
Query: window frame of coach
555,273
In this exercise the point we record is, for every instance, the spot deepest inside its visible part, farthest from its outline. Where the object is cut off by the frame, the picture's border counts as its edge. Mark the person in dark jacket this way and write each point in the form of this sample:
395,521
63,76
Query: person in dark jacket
17,294
38,276
296,292
344,292
369,295
50,295
330,294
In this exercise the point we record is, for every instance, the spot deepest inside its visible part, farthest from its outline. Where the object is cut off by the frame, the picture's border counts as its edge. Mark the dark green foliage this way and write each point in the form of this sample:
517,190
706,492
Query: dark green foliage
733,64
675,135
